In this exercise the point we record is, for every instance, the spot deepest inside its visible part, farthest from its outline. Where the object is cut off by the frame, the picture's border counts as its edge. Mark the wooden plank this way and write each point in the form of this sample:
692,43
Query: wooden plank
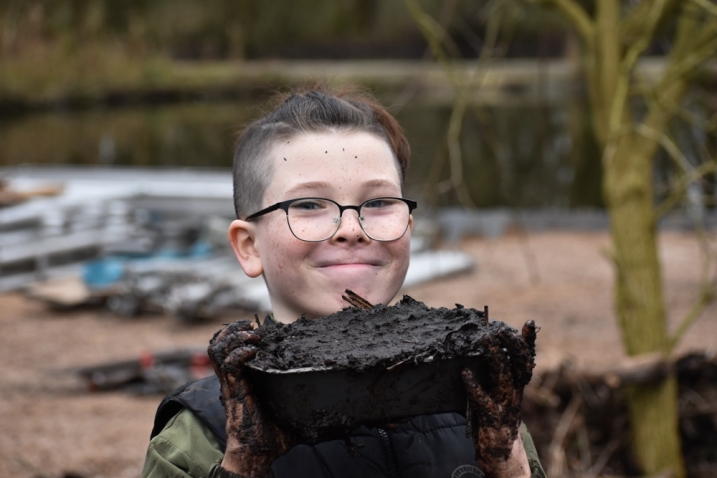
73,241
20,280
65,292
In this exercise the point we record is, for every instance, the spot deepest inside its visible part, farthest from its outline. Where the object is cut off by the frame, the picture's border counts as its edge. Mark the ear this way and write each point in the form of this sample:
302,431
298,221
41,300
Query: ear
242,238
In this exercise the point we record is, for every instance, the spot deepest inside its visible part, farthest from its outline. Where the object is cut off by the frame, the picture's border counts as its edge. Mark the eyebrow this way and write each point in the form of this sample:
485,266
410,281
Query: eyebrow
310,185
377,183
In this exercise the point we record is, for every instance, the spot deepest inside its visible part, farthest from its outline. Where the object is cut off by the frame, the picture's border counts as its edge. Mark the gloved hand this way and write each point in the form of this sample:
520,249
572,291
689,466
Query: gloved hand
494,416
253,441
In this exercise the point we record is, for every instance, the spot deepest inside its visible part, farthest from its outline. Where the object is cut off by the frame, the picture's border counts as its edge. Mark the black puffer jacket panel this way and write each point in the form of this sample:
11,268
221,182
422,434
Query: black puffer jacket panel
429,446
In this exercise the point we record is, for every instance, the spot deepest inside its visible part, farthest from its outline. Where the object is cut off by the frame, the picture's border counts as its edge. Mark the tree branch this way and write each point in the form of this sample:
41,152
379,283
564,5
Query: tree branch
435,35
679,189
709,7
695,42
707,295
672,149
708,126
690,174
454,150
688,64
577,16
622,89
634,22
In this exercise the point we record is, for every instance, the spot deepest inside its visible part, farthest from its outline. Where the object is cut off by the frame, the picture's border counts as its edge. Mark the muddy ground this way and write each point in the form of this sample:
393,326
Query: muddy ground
52,426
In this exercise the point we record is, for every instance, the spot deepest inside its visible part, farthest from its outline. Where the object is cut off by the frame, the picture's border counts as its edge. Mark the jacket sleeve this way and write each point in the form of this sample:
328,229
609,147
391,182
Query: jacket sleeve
184,449
536,469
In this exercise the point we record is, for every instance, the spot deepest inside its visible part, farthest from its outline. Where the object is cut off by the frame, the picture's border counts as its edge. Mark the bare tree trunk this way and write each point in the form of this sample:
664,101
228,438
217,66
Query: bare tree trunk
639,301
628,152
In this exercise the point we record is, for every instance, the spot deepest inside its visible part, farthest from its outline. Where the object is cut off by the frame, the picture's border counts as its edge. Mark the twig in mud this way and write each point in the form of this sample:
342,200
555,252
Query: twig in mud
397,364
356,300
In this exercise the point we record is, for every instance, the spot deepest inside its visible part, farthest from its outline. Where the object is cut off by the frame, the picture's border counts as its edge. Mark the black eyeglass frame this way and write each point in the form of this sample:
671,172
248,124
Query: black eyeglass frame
284,205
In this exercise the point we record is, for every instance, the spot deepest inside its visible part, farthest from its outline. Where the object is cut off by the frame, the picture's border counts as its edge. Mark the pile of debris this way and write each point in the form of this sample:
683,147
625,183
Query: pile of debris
579,421
143,241
150,373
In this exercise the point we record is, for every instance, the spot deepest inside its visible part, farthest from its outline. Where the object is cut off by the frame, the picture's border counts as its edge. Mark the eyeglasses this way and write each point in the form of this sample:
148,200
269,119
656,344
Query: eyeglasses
318,219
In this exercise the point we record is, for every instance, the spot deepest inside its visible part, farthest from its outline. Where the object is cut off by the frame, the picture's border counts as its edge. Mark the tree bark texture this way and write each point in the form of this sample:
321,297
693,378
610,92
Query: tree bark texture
655,428
629,196
639,301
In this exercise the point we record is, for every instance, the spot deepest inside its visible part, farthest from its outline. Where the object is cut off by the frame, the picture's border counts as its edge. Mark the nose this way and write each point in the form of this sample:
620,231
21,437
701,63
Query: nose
350,230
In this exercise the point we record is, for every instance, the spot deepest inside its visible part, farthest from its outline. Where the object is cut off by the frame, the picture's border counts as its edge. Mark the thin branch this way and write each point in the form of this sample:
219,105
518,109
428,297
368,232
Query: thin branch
673,151
356,300
629,61
634,22
708,289
709,7
413,86
459,109
678,191
708,126
695,41
454,150
706,297
602,460
670,147
491,33
435,36
688,64
578,16
556,452
431,184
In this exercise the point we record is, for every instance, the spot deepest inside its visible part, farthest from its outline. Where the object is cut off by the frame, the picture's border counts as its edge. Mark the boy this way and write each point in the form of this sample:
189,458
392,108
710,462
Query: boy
318,183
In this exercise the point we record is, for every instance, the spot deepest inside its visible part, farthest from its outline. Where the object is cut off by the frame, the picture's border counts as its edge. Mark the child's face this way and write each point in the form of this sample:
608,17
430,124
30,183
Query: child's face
310,277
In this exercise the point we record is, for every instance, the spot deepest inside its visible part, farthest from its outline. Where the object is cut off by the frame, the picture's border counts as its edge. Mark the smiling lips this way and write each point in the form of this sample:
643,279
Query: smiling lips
349,261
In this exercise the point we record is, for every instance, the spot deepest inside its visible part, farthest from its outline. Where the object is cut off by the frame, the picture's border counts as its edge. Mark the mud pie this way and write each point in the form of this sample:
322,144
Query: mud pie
324,377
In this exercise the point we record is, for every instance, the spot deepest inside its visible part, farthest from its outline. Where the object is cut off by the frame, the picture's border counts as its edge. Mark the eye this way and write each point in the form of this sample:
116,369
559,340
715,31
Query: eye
309,205
377,203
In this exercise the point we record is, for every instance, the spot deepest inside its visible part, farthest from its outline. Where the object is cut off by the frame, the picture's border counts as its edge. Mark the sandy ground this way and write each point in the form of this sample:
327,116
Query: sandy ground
52,426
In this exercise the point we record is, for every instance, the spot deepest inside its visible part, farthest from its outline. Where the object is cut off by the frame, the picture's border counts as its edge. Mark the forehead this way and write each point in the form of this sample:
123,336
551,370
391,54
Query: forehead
341,163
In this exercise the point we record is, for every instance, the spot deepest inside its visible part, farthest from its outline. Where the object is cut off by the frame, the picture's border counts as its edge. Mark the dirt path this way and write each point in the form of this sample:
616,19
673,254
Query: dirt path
52,427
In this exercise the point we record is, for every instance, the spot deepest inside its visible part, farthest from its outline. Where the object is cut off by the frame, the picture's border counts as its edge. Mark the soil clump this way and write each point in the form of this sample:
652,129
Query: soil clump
381,337
386,364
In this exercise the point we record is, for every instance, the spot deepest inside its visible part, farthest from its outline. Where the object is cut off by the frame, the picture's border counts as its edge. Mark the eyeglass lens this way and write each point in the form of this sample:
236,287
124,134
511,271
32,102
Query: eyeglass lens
382,219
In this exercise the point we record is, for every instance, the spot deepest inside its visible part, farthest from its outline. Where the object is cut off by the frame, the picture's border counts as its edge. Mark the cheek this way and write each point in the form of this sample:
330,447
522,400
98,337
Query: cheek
282,251
400,251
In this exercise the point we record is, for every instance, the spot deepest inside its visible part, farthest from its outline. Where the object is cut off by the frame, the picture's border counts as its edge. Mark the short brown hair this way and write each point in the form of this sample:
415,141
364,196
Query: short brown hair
307,111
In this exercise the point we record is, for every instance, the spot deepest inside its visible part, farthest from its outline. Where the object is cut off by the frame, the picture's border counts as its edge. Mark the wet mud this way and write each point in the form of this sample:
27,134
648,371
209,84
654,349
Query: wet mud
380,337
382,364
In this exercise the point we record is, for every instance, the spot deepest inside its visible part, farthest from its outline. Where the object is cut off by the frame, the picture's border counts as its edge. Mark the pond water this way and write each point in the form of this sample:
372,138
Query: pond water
530,156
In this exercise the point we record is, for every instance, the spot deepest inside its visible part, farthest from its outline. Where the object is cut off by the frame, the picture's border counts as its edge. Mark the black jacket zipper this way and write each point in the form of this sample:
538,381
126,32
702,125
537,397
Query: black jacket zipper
388,450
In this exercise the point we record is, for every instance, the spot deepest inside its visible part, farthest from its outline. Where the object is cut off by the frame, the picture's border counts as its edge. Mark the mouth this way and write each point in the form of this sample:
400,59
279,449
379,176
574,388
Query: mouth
348,265
347,262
